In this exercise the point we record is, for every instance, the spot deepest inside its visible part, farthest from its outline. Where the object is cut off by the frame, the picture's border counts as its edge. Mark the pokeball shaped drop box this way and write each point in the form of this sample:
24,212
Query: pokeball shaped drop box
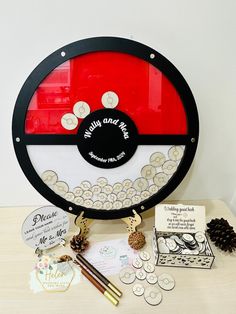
105,126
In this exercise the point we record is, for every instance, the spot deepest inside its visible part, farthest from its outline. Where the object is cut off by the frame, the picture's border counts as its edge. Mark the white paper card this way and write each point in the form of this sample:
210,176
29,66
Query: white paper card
180,218
109,257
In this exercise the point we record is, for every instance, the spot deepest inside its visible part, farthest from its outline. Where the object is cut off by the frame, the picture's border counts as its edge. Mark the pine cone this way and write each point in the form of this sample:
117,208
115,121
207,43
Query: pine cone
78,243
136,240
64,258
222,234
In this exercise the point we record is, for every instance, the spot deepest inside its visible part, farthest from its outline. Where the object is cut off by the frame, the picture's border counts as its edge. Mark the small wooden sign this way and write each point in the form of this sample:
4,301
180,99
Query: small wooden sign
45,227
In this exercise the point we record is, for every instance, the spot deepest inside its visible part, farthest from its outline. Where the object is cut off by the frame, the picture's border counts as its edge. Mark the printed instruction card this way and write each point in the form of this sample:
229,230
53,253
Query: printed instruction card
180,218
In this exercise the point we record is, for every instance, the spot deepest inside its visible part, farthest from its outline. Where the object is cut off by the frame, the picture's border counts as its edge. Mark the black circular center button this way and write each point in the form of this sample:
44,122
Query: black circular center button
107,138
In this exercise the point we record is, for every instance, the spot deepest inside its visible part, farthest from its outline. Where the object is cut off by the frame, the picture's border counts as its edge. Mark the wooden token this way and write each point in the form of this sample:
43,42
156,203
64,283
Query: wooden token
152,295
166,281
60,188
127,275
81,109
144,255
140,274
137,262
187,237
110,99
151,278
171,244
149,267
49,177
200,237
138,289
69,121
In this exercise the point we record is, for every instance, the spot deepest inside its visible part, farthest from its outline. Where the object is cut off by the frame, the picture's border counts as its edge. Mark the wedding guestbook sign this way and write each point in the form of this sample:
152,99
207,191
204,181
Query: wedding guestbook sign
180,218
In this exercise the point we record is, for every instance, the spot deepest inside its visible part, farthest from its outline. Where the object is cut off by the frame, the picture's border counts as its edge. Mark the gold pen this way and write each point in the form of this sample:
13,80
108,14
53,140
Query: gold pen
98,285
84,263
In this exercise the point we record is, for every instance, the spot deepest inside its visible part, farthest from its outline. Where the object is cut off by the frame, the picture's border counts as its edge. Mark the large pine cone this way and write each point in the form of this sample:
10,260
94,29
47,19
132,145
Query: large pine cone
78,243
222,234
136,240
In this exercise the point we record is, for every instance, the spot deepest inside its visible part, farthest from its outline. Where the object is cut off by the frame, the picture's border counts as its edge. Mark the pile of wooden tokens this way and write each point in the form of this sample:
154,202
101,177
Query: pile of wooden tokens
144,270
186,243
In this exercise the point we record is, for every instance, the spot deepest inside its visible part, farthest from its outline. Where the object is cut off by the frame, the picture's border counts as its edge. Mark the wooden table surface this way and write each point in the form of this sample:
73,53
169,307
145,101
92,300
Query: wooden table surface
197,291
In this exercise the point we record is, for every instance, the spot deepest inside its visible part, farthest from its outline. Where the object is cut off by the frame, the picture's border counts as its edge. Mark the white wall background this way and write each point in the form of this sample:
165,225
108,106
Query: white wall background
199,37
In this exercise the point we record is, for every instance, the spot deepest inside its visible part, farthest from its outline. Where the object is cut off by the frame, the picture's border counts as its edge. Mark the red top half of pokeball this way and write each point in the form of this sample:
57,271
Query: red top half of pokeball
145,94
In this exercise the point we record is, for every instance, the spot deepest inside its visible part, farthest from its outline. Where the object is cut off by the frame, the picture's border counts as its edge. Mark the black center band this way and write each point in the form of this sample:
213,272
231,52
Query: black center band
108,138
